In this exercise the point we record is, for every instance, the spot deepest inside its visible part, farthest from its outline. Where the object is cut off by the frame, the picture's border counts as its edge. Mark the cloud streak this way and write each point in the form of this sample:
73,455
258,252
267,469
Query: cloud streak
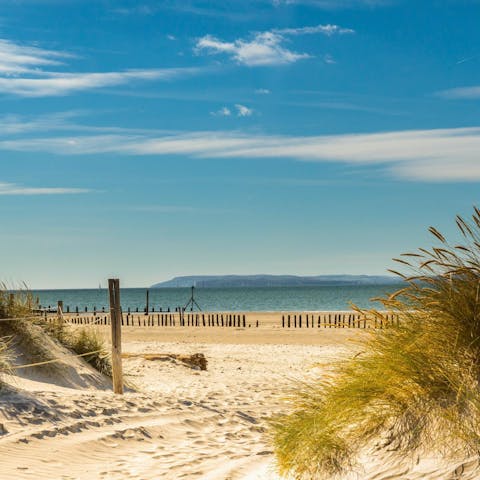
336,4
262,50
265,48
15,189
468,93
243,111
327,30
23,72
441,155
19,59
67,83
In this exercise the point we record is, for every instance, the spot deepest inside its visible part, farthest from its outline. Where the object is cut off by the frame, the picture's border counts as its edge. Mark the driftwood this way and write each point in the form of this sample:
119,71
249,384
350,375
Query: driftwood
196,361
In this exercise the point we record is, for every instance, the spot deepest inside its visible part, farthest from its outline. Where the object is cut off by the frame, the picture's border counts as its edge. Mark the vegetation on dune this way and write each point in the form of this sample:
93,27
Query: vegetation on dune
5,364
16,306
28,332
84,340
412,385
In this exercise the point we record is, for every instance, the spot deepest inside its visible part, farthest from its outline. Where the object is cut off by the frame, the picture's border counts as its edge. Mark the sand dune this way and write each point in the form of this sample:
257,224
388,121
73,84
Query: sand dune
180,423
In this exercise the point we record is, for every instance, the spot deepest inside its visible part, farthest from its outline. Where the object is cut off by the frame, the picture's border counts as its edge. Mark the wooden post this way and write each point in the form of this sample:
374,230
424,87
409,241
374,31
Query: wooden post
147,302
60,309
116,316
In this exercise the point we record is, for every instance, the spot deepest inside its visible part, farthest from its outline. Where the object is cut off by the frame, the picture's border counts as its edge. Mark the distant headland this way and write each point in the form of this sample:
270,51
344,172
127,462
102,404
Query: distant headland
222,281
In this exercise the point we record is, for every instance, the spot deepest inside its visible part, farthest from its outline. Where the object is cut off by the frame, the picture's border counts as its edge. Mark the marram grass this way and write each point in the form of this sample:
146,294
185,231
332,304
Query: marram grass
82,340
413,385
87,339
11,306
29,334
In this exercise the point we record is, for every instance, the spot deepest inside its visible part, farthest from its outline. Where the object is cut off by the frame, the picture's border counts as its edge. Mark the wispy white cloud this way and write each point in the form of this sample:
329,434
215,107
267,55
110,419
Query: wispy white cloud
19,59
336,4
466,59
23,72
136,10
327,29
222,112
59,84
329,59
428,155
461,92
14,189
262,91
67,121
265,48
243,111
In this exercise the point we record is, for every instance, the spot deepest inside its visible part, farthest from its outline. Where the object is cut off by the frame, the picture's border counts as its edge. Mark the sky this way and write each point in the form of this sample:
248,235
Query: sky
150,139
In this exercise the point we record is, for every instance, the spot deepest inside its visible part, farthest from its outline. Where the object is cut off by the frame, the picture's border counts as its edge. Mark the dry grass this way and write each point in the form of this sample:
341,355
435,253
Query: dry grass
415,384
29,334
81,341
11,306
24,332
88,339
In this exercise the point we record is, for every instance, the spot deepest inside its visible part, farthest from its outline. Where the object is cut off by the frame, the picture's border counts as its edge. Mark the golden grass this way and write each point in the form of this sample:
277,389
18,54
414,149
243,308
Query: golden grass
413,384
29,334
87,339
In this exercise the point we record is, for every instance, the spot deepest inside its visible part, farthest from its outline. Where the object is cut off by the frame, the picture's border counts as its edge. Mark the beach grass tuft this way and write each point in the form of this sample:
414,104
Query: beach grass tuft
412,385
28,333
88,339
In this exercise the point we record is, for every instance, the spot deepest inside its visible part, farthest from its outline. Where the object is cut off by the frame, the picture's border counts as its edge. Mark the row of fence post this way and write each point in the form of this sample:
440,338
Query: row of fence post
95,310
327,320
168,320
338,320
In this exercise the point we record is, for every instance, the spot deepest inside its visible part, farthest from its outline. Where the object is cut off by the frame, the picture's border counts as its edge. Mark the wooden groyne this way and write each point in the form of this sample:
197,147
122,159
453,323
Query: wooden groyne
280,320
339,320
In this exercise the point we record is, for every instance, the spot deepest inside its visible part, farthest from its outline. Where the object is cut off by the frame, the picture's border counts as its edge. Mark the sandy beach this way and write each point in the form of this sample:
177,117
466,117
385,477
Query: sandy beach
177,422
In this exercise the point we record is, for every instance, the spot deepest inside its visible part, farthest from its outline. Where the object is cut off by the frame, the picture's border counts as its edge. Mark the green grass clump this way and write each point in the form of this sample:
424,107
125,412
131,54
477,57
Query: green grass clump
85,340
5,356
24,331
15,304
412,385
28,332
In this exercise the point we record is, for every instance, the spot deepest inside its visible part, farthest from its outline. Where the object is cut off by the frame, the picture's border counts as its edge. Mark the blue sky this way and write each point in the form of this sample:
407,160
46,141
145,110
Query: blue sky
149,139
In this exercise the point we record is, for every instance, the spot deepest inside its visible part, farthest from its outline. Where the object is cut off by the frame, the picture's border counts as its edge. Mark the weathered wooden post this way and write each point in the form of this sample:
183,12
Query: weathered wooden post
147,301
116,322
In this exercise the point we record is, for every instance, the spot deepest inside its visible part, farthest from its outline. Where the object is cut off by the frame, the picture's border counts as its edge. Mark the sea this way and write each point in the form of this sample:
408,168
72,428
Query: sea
330,298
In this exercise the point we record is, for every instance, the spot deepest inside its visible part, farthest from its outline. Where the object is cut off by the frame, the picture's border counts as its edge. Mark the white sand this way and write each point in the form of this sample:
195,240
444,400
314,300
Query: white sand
181,423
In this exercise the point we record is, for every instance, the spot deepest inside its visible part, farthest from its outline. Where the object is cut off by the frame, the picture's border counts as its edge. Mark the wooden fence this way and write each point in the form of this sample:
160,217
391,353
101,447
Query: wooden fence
339,320
238,320
165,320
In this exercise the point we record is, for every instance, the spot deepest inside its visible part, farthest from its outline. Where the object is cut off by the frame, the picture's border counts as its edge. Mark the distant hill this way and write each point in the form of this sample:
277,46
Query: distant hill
220,281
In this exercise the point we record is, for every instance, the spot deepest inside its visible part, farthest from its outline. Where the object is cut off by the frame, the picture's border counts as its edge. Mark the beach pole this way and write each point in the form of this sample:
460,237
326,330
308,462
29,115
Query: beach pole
116,316
147,302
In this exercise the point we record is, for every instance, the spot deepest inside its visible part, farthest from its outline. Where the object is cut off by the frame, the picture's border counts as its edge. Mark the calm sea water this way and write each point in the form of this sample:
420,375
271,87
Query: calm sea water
225,299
